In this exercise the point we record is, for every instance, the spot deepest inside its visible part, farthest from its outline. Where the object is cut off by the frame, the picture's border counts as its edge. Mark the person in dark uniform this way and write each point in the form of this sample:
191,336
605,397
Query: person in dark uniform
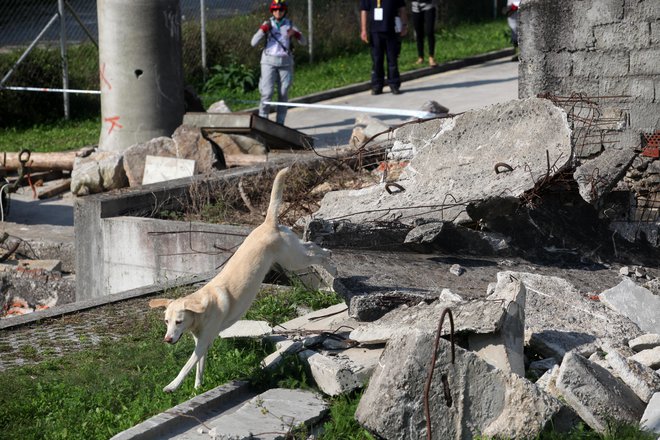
382,24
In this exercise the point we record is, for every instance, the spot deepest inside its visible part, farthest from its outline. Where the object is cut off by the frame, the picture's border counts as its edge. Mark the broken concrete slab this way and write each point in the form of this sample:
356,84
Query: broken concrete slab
635,302
470,317
504,349
270,415
331,319
576,322
651,417
519,134
484,401
641,379
595,394
644,342
246,328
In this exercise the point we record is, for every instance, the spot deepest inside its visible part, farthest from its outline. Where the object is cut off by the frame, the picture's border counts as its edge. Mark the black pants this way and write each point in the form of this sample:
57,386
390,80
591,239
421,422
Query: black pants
424,23
385,44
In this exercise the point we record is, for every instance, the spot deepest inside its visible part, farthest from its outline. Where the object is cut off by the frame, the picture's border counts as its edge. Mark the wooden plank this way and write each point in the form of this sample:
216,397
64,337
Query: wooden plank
56,189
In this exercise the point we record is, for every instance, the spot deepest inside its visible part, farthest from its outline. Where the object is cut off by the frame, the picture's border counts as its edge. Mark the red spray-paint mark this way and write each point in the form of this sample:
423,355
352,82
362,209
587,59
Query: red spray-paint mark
103,78
114,121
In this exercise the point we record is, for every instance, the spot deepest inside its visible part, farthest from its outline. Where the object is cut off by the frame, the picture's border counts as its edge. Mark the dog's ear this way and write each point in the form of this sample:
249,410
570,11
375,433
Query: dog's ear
159,302
195,305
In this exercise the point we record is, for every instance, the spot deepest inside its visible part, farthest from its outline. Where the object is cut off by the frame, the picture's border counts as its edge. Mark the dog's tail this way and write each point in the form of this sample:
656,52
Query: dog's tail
276,197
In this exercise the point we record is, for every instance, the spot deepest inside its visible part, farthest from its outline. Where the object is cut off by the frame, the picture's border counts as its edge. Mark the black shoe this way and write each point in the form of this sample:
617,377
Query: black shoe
395,90
376,91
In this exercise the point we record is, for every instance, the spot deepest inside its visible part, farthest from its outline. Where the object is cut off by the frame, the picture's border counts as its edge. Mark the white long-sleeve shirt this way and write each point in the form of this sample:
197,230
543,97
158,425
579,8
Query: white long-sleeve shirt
278,43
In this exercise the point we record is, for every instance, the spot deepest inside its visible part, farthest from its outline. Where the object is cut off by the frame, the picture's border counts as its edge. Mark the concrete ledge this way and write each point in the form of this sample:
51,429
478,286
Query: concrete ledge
188,414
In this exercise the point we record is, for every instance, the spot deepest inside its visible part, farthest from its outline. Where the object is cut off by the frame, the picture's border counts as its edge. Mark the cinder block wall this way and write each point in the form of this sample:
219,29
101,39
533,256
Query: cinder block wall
608,52
597,47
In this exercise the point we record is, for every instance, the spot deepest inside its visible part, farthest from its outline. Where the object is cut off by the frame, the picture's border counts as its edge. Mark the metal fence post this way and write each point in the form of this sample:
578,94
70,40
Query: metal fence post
310,29
64,55
202,19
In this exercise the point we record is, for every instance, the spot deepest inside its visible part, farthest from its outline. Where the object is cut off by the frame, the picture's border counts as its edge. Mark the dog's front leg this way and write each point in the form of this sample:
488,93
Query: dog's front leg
200,351
200,371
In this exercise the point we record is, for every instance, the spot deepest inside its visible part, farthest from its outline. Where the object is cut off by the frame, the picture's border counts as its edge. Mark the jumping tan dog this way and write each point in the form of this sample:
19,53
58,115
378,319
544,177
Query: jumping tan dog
226,298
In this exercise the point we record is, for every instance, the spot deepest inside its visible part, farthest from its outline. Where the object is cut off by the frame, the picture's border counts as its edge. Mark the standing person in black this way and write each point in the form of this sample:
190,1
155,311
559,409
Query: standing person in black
384,17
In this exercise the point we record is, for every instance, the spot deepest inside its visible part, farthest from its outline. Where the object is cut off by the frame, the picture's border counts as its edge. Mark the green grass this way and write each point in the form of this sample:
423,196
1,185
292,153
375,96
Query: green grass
96,393
452,43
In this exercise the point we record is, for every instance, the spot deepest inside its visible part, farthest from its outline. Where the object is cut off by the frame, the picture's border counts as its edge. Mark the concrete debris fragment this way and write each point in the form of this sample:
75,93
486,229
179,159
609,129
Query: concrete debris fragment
651,417
247,329
595,394
635,302
457,270
641,379
644,342
649,357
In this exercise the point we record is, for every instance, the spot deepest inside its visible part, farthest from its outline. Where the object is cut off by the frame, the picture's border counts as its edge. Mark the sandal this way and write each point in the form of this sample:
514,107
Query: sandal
432,62
419,61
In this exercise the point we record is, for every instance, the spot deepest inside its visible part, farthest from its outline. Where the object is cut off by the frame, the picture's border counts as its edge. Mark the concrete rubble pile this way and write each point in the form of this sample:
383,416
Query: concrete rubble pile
591,357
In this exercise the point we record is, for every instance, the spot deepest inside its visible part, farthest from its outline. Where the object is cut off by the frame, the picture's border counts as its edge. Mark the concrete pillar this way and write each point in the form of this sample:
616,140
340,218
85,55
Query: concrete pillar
140,70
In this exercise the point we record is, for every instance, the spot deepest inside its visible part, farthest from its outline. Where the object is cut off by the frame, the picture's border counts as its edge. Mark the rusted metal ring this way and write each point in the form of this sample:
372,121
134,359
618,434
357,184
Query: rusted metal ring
508,168
21,159
395,185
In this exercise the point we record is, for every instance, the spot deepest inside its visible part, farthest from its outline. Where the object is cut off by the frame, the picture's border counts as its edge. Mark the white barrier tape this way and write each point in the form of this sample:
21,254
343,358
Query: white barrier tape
45,89
382,111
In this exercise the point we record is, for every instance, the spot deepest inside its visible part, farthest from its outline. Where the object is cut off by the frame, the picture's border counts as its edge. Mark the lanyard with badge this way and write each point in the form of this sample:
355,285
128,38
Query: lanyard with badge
378,12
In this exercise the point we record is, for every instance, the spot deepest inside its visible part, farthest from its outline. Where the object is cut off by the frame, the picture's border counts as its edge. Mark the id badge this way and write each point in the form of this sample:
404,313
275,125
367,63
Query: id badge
378,14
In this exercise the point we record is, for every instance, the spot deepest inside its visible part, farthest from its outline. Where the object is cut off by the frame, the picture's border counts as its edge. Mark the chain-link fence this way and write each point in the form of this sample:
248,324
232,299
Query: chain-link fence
49,47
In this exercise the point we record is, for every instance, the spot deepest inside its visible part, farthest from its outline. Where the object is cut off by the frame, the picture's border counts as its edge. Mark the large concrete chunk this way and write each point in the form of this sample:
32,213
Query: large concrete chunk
560,318
479,316
640,378
595,394
635,302
651,417
484,401
461,165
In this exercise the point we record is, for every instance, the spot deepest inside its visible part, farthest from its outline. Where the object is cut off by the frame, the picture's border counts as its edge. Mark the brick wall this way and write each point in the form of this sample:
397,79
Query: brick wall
605,54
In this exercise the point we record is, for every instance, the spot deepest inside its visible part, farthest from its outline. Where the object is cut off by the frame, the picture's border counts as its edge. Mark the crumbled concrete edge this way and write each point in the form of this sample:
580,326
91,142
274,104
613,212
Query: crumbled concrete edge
186,413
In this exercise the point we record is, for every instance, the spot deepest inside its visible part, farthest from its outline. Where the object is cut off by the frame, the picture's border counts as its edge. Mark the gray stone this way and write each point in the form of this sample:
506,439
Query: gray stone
644,342
271,415
457,269
283,349
518,133
484,401
539,368
649,357
641,379
504,349
448,295
651,417
99,172
635,302
595,394
218,107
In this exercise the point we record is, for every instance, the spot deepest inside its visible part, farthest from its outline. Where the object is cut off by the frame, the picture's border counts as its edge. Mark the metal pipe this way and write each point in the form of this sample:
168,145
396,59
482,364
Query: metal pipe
65,62
310,29
50,89
202,19
29,49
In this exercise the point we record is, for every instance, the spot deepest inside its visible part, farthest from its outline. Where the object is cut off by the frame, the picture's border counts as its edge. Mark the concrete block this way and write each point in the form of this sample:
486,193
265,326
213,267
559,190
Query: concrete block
598,176
641,379
645,61
339,374
161,169
635,302
650,357
655,32
622,36
595,394
644,342
645,116
596,64
601,11
648,10
651,417
638,87
484,400
247,329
